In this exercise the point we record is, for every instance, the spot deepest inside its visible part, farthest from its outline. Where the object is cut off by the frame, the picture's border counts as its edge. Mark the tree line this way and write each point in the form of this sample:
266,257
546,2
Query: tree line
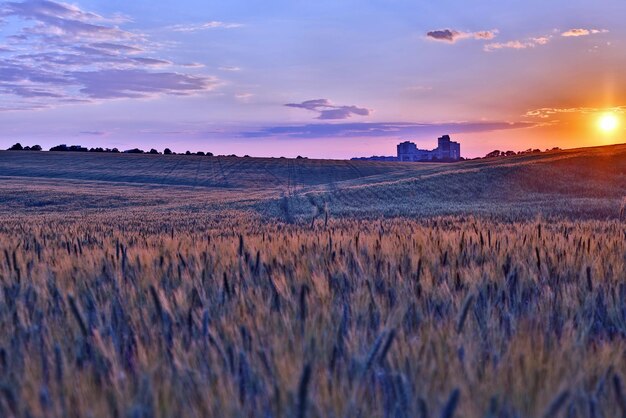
79,148
498,153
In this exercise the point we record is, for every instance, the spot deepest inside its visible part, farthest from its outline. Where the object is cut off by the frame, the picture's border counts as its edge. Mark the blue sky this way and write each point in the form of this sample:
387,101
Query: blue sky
330,79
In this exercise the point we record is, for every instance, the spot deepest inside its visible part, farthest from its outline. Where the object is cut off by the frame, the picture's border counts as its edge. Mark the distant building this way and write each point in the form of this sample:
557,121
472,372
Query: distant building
447,150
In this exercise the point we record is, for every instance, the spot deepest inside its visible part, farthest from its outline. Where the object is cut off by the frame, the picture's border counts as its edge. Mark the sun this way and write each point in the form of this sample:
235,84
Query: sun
608,122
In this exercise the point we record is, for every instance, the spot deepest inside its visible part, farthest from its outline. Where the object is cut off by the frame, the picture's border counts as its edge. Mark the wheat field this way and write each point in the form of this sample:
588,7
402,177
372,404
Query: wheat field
137,299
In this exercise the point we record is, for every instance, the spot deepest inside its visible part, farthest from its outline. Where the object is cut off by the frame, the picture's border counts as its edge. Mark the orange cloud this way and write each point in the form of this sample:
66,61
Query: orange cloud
548,112
582,32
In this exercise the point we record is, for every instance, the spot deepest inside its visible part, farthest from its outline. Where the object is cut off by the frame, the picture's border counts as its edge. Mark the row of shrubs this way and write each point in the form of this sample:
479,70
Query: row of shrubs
498,153
79,148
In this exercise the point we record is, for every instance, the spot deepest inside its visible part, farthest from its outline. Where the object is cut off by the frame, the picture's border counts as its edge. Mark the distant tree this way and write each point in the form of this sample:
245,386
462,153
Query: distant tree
246,156
77,148
134,151
16,147
153,151
167,151
299,157
209,154
187,152
200,153
509,153
35,148
115,150
493,154
61,147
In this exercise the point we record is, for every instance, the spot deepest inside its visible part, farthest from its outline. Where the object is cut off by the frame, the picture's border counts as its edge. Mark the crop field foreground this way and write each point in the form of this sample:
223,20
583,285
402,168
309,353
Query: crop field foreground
358,318
182,286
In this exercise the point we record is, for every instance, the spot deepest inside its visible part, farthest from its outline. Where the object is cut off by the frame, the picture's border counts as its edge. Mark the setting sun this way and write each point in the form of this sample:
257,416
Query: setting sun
608,122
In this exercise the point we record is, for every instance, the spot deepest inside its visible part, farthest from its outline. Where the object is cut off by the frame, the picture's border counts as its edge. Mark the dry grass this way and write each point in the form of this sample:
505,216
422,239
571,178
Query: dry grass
150,317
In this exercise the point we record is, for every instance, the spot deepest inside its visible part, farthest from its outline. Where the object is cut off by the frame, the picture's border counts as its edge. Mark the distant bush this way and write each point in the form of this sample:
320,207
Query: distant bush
134,151
200,153
187,152
18,147
153,151
33,148
100,149
493,154
530,151
167,151
72,148
498,153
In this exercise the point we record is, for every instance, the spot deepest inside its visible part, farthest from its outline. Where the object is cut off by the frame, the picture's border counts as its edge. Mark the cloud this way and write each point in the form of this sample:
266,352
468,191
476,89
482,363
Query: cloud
542,40
443,35
381,129
76,56
152,61
539,41
28,92
114,84
244,97
192,65
228,68
116,48
61,20
328,111
195,27
486,34
508,45
94,133
582,32
549,112
517,44
452,35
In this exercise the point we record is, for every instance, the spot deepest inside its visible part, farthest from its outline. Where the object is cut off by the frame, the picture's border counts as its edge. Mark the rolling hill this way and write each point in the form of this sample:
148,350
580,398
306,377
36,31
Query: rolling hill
586,182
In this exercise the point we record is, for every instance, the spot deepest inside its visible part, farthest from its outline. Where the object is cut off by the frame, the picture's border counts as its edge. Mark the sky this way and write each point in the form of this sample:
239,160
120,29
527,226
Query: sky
323,79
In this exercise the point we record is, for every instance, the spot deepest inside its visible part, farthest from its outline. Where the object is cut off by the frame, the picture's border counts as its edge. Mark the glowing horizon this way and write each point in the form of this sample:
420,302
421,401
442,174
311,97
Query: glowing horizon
323,80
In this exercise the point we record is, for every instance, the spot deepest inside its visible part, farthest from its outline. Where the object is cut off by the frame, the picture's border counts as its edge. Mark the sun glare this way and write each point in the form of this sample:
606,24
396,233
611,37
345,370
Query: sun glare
608,122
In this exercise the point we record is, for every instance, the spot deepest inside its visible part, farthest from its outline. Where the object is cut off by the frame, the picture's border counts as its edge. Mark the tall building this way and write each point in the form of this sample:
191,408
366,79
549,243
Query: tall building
447,150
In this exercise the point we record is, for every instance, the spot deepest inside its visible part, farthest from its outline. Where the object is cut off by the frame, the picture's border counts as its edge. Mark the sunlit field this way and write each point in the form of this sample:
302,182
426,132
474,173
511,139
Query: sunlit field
313,289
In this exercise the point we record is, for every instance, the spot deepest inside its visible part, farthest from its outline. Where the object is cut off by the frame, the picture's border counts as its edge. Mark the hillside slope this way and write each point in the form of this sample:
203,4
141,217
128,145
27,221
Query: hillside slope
587,182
